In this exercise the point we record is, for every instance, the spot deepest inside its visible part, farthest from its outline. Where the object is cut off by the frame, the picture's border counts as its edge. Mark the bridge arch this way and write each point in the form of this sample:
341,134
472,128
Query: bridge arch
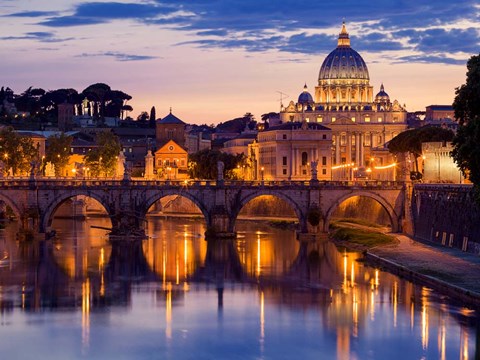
12,205
47,218
394,217
236,208
186,194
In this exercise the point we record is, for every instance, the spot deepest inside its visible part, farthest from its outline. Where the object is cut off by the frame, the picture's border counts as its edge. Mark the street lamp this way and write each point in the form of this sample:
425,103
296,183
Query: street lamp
262,171
74,171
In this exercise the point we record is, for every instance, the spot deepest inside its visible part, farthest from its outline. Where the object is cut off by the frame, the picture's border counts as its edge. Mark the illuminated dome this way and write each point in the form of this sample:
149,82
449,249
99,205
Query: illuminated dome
343,81
305,98
343,62
382,95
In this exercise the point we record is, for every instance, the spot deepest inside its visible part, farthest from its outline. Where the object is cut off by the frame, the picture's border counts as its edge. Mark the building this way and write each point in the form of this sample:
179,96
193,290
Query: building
171,157
360,123
438,164
65,116
288,152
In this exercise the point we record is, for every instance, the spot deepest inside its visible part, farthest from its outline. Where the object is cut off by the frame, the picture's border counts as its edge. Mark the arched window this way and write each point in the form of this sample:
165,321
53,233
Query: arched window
304,158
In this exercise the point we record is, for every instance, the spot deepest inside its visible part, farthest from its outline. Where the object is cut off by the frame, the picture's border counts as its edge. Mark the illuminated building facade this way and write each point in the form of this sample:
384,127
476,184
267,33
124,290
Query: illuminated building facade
360,123
171,158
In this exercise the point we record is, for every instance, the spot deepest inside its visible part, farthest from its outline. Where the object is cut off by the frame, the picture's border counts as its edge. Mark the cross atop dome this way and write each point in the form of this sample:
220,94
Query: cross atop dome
343,38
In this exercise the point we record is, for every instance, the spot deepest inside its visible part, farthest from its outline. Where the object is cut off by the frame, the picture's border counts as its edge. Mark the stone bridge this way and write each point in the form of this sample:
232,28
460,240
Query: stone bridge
127,202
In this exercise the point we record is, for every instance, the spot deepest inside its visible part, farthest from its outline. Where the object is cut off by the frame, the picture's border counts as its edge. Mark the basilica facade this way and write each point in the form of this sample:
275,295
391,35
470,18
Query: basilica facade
360,123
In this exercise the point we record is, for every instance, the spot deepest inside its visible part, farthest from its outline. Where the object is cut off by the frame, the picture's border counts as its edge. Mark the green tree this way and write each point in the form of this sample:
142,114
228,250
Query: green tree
17,152
410,141
203,164
58,151
466,144
102,160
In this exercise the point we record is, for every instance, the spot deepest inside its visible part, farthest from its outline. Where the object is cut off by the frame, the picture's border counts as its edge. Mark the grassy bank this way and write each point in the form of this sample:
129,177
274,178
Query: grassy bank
364,239
357,222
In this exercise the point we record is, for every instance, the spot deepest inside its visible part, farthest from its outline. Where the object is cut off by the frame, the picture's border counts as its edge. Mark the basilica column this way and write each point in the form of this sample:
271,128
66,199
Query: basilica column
357,149
337,149
295,169
362,149
349,148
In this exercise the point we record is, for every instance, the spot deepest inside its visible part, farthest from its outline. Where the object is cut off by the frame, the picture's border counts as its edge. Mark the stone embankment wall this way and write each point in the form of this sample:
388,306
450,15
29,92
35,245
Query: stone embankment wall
448,215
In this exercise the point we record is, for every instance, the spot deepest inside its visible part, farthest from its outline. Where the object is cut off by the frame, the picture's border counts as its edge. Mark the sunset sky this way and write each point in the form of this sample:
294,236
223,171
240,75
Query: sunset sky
215,60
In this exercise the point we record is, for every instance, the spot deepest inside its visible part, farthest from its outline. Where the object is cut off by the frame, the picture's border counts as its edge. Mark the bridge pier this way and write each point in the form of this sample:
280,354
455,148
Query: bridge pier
219,227
30,228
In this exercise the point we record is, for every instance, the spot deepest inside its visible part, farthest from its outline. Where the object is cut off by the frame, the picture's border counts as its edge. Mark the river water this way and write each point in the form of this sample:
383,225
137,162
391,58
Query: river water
175,296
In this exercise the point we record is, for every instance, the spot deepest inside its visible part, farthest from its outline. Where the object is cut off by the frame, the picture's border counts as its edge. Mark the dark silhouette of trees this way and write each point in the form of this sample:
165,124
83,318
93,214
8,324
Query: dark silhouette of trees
153,117
106,102
143,116
466,151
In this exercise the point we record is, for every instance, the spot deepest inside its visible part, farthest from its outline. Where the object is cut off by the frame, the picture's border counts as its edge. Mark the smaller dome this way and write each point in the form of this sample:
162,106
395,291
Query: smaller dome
305,98
382,95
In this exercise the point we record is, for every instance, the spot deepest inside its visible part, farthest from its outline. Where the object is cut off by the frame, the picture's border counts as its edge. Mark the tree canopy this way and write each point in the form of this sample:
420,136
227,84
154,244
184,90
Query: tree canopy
466,151
102,160
17,152
410,141
58,151
203,164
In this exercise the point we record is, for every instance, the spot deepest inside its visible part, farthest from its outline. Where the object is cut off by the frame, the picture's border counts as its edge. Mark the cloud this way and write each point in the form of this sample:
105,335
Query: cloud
93,13
120,56
438,59
42,36
33,14
295,26
442,40
66,21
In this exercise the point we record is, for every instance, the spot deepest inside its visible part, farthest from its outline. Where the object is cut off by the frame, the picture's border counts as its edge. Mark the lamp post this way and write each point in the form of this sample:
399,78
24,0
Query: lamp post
262,173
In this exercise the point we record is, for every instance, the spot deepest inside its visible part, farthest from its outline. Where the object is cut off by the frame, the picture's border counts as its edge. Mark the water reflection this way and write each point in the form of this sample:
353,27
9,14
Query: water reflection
282,298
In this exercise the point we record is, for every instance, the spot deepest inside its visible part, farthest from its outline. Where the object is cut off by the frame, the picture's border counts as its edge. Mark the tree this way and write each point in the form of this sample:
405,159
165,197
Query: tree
17,152
466,144
203,164
410,141
103,159
143,116
58,152
153,117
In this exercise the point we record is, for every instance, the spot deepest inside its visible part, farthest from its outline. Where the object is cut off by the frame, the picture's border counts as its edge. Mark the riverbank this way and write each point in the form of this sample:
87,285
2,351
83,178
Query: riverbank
447,270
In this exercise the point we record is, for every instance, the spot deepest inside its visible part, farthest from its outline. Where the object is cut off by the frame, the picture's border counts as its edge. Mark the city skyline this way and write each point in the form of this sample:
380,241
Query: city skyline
213,61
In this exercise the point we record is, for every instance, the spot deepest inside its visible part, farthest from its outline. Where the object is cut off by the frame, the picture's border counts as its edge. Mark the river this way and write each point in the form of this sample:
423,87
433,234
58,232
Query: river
176,296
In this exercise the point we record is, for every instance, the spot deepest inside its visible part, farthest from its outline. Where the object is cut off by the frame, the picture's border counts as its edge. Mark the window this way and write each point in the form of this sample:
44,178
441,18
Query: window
284,171
284,161
379,119
319,119
353,118
324,160
284,136
367,118
333,119
343,139
307,119
291,117
324,136
324,171
367,141
304,158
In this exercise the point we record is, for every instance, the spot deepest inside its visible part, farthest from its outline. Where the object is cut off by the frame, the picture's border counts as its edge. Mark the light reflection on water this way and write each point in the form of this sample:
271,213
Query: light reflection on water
176,296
